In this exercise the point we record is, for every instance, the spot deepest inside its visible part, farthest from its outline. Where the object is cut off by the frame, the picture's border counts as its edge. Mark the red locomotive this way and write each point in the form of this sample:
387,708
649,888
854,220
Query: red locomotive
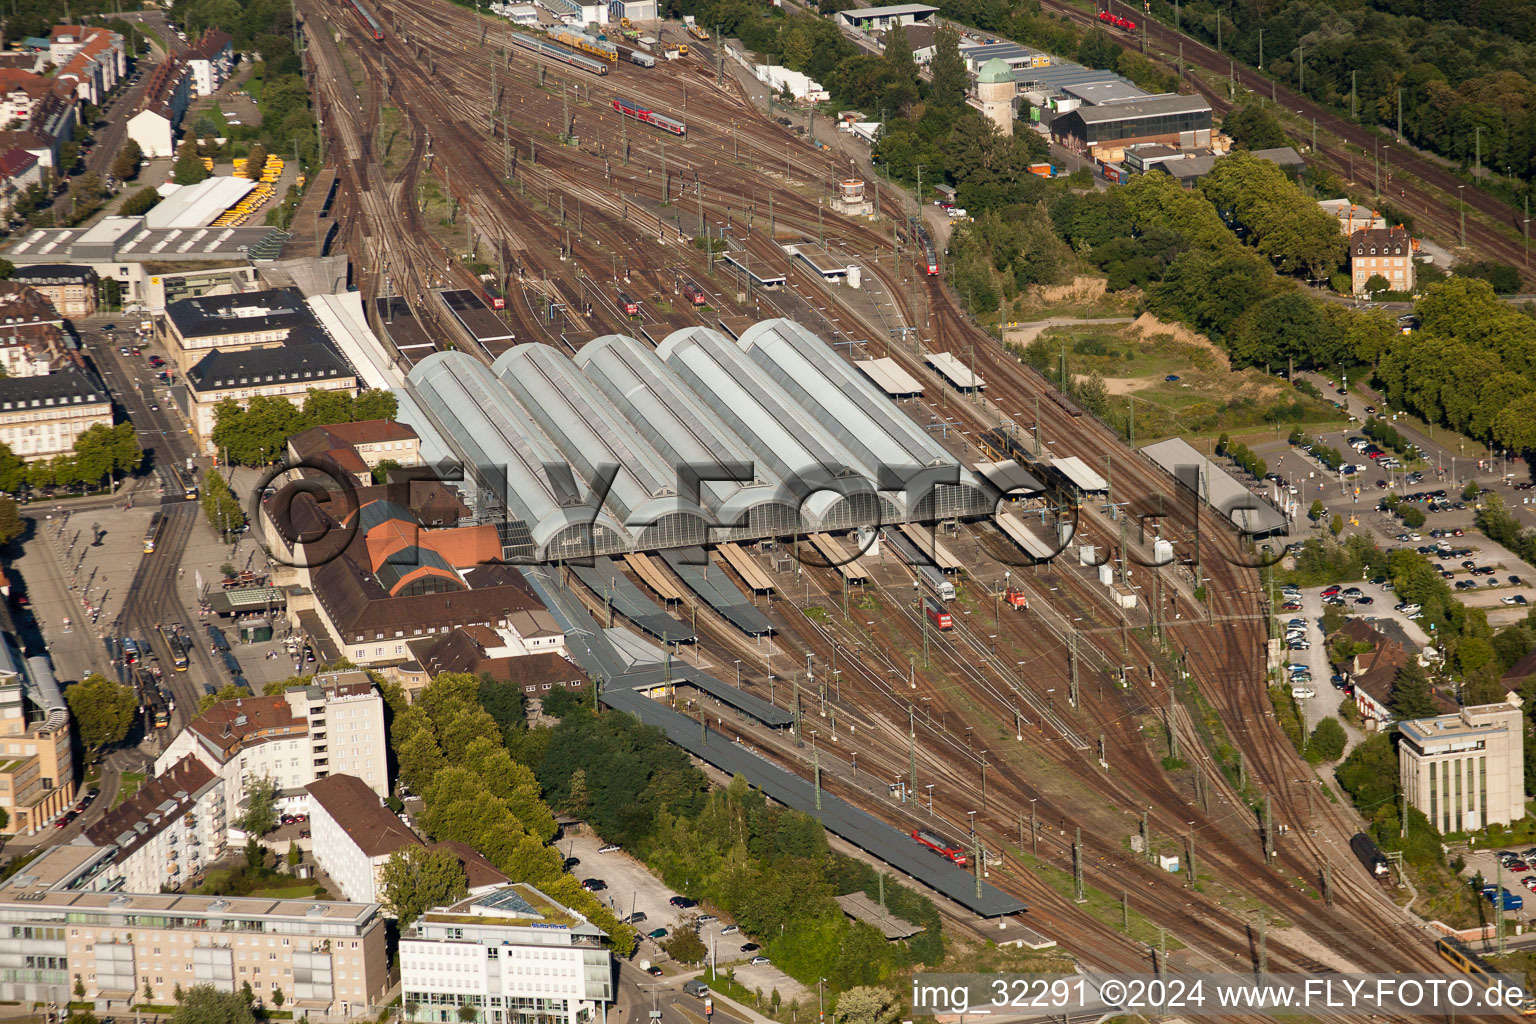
943,847
1118,22
938,614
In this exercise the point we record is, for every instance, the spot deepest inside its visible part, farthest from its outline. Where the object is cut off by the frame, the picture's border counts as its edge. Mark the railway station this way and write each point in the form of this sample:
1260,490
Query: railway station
699,441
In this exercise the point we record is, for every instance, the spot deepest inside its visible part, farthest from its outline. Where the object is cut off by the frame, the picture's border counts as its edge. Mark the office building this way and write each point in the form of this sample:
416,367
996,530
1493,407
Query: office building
514,955
1466,770
37,775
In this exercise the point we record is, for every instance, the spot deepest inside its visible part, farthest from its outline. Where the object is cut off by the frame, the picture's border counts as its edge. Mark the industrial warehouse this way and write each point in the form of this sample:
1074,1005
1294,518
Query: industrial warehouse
700,440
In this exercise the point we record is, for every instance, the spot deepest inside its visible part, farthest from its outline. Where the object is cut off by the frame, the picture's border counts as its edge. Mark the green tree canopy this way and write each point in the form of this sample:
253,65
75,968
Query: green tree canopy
204,1004
1328,740
865,1004
260,815
1411,696
11,525
189,169
103,711
416,879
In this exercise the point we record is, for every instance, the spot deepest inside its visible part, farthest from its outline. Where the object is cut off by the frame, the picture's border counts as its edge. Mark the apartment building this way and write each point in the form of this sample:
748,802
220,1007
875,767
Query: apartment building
40,416
37,776
354,835
328,959
358,447
167,833
1466,770
210,61
333,725
162,104
1381,252
513,955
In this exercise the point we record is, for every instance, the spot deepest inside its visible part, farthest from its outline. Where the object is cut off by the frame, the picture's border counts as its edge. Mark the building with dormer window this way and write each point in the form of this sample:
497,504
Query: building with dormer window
1387,252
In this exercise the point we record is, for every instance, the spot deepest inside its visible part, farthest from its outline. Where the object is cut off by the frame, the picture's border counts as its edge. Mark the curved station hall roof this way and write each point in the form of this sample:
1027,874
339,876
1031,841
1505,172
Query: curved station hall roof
700,440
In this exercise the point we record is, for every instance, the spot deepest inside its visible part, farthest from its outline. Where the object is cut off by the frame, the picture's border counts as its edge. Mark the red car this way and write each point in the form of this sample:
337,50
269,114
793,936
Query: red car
1332,590
1291,606
1518,866
1529,881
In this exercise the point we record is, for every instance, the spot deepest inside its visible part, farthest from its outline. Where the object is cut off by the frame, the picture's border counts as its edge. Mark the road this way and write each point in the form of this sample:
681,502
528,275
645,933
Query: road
152,598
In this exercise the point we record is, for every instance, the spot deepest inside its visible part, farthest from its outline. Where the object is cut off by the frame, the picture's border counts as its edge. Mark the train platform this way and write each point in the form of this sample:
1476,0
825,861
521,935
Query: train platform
312,225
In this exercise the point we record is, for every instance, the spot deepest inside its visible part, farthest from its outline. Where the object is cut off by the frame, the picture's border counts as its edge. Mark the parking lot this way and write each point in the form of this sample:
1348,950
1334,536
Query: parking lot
631,888
1517,878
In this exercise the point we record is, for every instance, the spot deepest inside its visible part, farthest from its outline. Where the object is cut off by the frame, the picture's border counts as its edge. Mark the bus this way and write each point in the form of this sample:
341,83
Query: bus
153,536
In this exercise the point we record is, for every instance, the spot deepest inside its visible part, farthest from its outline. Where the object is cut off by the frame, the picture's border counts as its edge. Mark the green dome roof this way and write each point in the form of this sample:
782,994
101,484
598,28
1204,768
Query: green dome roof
995,71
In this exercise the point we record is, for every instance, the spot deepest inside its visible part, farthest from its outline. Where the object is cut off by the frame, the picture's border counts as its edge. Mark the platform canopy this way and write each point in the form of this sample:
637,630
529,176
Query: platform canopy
955,371
1083,478
890,377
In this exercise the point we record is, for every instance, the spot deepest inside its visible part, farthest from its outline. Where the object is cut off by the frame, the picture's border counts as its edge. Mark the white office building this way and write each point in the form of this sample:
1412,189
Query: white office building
514,955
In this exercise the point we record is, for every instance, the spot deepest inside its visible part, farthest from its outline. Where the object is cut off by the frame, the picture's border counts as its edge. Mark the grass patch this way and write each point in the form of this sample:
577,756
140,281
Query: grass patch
1289,716
290,892
1106,908
1208,398
397,140
130,784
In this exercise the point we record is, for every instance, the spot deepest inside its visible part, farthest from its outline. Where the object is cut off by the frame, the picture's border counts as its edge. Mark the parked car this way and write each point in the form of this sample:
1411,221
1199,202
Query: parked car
594,884
610,848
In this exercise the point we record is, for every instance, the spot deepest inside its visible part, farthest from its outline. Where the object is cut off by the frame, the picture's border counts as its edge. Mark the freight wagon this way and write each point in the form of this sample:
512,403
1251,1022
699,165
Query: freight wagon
576,40
938,615
1368,854
943,847
559,53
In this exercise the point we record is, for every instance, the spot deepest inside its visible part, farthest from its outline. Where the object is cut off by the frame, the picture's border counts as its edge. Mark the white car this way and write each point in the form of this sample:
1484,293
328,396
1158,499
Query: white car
610,848
1302,692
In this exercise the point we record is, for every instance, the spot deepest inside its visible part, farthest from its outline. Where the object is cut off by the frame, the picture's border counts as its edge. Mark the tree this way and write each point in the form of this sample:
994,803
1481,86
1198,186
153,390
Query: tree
376,404
220,506
189,169
898,56
684,944
109,291
255,162
103,711
467,1014
1411,696
415,879
102,452
1336,524
1471,491
79,987
206,1005
260,815
125,166
149,993
1254,127
949,82
141,202
1376,284
382,470
295,855
177,993
1328,740
69,158
229,691
1412,516
866,1004
278,998
1097,50
1317,511
11,525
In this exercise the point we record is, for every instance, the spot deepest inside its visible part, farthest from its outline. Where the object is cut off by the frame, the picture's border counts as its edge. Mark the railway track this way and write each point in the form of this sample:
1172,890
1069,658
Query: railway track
627,226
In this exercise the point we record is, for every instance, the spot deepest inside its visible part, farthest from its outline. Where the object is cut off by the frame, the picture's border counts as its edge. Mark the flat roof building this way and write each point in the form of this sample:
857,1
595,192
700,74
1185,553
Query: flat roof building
1105,130
1247,511
328,959
878,18
1466,770
196,206
512,956
42,415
